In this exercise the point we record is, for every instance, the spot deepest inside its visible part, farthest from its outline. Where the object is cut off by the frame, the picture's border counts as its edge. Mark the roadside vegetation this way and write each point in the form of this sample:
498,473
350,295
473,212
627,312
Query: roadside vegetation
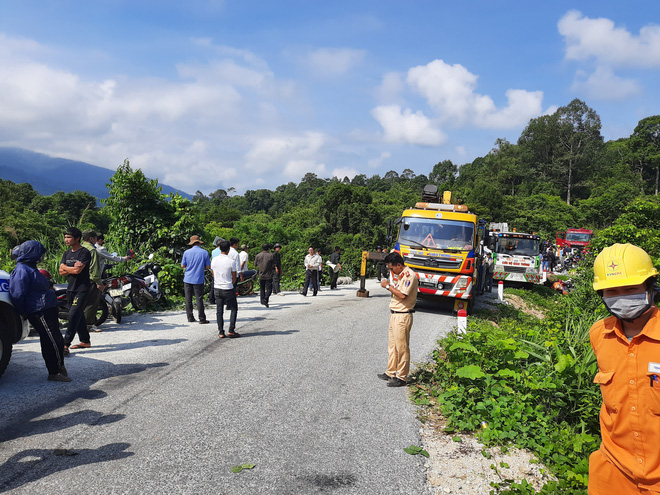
518,380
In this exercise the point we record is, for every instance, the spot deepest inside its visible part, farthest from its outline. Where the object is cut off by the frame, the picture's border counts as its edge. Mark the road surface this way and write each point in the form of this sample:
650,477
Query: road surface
160,405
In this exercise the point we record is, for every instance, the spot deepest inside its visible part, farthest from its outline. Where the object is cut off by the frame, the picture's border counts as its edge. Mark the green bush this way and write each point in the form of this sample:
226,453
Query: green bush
528,380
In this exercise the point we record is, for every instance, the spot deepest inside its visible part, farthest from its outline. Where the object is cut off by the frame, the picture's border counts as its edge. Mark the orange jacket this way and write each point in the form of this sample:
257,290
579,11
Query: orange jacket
629,379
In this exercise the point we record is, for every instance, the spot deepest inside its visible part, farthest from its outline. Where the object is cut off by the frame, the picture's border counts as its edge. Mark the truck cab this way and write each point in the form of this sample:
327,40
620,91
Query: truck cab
441,243
574,238
12,329
516,257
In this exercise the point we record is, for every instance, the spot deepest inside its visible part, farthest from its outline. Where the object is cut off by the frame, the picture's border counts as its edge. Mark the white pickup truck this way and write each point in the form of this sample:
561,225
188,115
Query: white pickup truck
12,329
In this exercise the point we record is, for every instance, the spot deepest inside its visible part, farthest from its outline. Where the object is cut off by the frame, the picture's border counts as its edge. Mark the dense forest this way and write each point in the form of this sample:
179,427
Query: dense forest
559,174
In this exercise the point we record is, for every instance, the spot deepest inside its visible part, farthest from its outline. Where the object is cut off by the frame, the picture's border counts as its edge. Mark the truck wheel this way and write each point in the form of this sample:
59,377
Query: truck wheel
5,351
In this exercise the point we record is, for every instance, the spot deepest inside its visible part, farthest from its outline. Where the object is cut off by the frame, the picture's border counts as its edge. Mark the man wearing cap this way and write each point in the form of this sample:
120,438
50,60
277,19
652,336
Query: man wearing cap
627,347
402,306
216,243
277,264
195,261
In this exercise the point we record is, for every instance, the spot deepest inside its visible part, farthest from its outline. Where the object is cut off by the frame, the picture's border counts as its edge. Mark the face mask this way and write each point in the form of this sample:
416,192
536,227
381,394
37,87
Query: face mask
628,307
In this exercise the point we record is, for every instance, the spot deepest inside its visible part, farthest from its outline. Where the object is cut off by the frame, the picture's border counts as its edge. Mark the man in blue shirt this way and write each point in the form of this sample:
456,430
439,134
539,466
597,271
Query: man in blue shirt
195,261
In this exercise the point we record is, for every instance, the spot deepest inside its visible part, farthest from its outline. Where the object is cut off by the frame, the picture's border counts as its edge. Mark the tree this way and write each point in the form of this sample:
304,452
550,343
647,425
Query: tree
136,206
443,172
645,146
578,142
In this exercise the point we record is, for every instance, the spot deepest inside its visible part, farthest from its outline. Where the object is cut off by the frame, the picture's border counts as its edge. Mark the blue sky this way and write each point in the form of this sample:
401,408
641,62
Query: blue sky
209,94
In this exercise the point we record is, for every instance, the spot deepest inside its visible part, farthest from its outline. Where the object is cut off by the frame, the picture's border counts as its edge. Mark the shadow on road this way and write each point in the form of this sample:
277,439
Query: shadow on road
25,424
267,333
126,345
34,464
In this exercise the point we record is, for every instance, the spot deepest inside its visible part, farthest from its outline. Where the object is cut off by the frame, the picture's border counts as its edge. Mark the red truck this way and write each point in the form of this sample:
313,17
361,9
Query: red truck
574,238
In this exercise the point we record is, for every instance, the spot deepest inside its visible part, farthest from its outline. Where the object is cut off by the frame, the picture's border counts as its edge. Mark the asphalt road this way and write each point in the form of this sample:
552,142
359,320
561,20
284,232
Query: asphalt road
160,405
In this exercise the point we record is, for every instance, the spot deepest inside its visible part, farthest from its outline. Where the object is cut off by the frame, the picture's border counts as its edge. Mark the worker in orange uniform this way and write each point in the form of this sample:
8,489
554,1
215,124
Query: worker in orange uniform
627,346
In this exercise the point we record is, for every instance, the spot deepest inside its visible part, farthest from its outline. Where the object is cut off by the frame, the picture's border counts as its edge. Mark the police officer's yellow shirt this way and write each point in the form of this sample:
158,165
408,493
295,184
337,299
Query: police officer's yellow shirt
407,283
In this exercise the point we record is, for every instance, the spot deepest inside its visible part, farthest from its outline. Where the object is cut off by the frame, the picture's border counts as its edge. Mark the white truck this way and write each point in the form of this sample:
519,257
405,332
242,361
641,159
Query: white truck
516,257
12,328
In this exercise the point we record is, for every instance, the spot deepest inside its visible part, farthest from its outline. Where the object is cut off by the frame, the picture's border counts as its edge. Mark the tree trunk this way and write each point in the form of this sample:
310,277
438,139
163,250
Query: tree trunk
570,178
657,173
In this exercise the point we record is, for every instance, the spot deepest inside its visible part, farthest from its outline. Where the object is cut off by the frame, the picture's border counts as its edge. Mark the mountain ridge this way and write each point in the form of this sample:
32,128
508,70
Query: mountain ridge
48,174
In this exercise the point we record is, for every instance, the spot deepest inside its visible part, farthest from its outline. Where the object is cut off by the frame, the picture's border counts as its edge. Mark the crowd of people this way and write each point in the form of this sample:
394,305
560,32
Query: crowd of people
33,298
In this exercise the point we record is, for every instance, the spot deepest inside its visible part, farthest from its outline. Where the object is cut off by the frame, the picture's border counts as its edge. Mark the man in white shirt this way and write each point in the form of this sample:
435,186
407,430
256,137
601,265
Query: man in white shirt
224,277
233,254
312,263
243,259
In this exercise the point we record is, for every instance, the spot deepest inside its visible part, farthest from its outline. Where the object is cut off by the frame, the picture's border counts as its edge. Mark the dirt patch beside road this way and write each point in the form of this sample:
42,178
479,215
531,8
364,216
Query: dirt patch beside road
464,467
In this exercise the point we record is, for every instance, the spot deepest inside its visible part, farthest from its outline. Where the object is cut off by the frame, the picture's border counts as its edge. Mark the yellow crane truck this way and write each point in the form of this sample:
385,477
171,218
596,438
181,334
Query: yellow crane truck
441,242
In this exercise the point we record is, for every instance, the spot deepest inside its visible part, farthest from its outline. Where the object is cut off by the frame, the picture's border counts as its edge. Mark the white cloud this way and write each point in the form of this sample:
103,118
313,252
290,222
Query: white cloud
293,155
607,47
600,39
390,89
450,90
377,162
349,172
605,85
407,127
334,61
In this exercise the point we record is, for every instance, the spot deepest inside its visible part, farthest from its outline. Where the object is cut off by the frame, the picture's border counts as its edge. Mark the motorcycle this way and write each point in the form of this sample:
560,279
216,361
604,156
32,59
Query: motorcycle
246,286
142,287
113,294
63,305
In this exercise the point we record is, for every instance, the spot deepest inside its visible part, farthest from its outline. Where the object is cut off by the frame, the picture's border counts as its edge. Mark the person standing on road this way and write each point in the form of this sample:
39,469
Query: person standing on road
277,265
233,254
489,270
96,286
224,270
627,348
335,259
319,271
381,267
75,266
311,272
35,300
402,306
104,254
243,258
264,263
195,261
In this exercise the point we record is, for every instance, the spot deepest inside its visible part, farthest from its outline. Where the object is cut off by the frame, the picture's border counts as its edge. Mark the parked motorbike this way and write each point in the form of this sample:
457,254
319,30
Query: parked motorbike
142,286
113,294
63,305
246,286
